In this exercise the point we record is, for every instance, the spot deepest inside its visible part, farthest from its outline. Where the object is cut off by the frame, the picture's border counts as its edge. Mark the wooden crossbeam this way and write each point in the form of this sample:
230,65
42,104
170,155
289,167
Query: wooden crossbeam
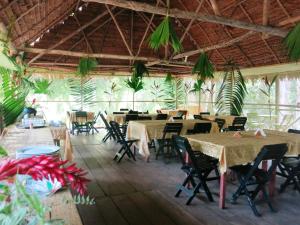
70,35
119,29
215,7
266,9
90,49
294,19
144,7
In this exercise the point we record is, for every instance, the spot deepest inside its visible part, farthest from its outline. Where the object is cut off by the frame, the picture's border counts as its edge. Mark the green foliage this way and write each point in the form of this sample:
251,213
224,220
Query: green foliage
268,86
156,91
13,98
41,86
135,83
174,93
86,65
23,208
6,61
80,200
169,77
232,92
163,35
203,67
3,152
292,43
197,87
140,70
83,91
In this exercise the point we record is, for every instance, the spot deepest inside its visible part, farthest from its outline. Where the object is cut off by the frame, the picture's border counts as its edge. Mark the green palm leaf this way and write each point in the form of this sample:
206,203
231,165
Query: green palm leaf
86,65
140,70
41,86
203,67
135,83
292,42
163,35
232,92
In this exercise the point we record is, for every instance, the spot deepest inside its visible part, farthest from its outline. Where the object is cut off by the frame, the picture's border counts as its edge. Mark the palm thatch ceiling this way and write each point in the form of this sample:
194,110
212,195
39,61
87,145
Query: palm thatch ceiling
55,33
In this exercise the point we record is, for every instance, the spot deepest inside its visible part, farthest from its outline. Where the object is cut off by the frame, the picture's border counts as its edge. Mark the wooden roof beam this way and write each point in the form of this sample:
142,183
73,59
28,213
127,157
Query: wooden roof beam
215,7
144,7
70,36
266,12
88,44
290,20
119,29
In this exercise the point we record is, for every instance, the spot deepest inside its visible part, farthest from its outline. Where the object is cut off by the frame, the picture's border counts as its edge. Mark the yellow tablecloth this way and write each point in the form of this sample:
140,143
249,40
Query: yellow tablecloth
145,131
61,133
233,151
228,119
120,118
90,117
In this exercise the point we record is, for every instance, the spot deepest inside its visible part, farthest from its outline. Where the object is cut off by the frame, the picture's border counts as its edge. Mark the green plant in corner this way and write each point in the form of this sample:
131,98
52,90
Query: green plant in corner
232,92
292,43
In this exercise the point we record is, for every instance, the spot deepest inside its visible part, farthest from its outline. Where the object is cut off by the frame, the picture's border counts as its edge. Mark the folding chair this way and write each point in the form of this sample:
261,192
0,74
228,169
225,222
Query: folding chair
133,112
116,113
204,113
220,123
124,142
81,124
199,167
289,168
162,116
200,128
177,118
123,109
251,175
166,141
197,117
144,118
92,123
238,124
110,133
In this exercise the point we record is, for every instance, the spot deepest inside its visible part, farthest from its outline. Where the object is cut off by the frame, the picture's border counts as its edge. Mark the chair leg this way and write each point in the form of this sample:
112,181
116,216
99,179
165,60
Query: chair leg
207,191
267,198
195,191
185,182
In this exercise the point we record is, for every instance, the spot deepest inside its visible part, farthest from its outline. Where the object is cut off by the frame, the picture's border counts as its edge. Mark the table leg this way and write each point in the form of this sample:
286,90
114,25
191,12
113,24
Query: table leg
222,191
272,183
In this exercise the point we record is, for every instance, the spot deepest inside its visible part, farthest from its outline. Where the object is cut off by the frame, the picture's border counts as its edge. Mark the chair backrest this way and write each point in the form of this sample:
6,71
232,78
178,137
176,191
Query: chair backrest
158,111
220,123
117,131
172,128
130,117
197,117
293,131
81,114
123,109
147,112
96,117
162,117
180,148
133,112
177,117
238,124
269,152
202,128
118,113
199,163
144,118
105,121
204,113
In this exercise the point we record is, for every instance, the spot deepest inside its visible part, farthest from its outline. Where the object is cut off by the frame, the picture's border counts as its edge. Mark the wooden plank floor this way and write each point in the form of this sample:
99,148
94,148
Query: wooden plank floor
140,193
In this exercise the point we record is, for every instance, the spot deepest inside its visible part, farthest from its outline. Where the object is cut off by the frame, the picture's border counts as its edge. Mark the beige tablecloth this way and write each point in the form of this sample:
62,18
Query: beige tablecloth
61,133
120,118
233,151
145,131
90,117
228,119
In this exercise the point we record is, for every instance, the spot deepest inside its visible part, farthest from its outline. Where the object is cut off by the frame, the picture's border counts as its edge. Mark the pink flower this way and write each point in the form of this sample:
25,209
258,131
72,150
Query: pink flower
39,167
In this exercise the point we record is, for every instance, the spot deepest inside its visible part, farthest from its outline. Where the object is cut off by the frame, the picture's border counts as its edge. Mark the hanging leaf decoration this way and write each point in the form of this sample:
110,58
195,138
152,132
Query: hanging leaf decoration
140,70
41,86
197,87
135,83
163,35
292,42
203,67
169,77
86,65
232,92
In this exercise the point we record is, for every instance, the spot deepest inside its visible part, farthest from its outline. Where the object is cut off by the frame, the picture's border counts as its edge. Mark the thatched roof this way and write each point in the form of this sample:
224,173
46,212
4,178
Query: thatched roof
111,31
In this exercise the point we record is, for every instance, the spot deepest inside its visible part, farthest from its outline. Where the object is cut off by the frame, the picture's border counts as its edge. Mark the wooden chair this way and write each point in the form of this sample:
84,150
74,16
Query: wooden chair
110,133
289,168
199,168
221,123
162,116
200,128
124,142
81,123
238,124
197,117
92,123
252,176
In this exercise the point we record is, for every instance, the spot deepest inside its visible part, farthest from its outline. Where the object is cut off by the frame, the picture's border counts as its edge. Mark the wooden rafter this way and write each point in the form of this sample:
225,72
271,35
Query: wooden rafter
119,29
138,6
215,7
266,10
284,9
91,33
90,49
70,35
290,20
264,41
8,6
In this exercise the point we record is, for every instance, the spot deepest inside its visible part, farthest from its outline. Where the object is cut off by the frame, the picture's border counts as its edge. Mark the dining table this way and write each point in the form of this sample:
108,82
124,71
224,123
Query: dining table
73,118
147,130
121,118
228,119
231,149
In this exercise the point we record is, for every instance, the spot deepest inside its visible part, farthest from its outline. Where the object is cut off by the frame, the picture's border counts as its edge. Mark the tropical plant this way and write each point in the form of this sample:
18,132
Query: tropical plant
169,77
156,91
112,90
292,43
83,89
267,91
232,92
197,88
136,84
41,86
187,87
163,35
3,152
140,70
174,93
203,67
